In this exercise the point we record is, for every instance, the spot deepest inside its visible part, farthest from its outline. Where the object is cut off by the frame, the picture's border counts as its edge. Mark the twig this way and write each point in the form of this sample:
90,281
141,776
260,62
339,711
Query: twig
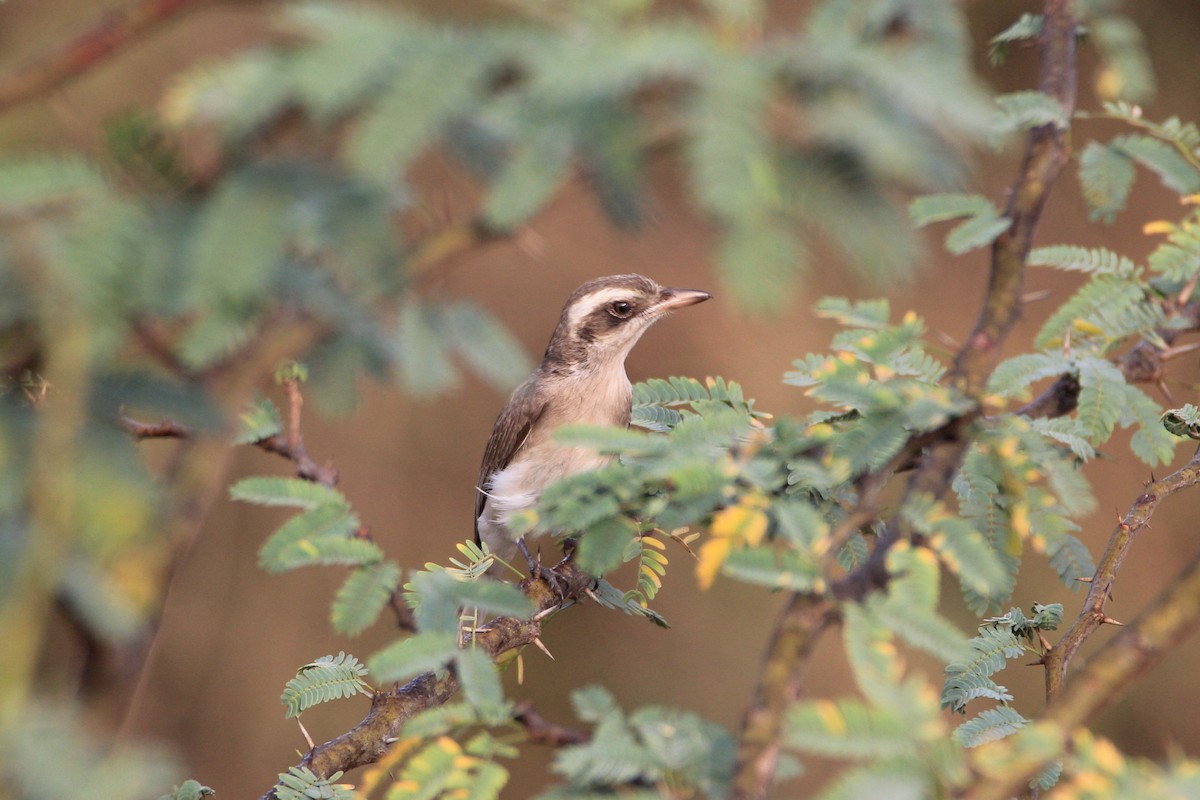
90,48
1092,616
941,454
291,444
368,741
541,731
166,429
806,617
1144,363
1171,618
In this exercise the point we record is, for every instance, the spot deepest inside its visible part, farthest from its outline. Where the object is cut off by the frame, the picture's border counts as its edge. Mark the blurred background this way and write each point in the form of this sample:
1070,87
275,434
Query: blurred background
231,637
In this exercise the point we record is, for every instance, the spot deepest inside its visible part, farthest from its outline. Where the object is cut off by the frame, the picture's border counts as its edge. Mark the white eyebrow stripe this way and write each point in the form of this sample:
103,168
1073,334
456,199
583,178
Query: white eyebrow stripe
590,302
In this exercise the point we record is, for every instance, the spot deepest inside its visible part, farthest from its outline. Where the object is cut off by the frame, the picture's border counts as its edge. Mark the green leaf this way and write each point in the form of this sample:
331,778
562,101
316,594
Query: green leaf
301,783
977,232
529,178
436,598
1018,372
348,52
362,597
990,725
873,658
189,790
593,703
290,492
1152,442
871,314
47,180
1102,397
409,657
968,555
1030,109
773,568
931,208
1072,258
1027,27
846,729
486,345
438,81
259,421
1162,159
481,685
239,239
922,628
1106,177
422,351
328,521
325,551
327,678
602,546
1123,52
1183,421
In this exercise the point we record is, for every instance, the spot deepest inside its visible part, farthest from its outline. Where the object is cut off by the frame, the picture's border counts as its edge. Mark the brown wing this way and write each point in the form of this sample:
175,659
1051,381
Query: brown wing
508,437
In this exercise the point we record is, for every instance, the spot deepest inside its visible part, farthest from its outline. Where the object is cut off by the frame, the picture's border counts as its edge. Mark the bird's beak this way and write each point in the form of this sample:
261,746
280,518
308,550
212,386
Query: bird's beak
671,299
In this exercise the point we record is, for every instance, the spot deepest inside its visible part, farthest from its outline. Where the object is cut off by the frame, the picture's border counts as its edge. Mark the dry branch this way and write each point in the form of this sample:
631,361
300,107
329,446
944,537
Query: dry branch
91,47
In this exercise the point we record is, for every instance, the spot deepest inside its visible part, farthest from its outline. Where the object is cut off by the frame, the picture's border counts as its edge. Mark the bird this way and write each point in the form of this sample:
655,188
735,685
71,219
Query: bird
581,380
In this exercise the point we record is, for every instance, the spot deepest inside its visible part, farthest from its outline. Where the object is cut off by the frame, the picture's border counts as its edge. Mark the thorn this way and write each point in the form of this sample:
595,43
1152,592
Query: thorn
1185,293
545,612
1181,350
1041,662
311,744
592,595
1162,387
391,739
1084,580
541,646
1111,621
1035,296
947,340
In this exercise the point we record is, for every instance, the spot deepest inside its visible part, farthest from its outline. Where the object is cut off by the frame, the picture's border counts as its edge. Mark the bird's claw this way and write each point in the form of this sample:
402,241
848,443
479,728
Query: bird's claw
553,578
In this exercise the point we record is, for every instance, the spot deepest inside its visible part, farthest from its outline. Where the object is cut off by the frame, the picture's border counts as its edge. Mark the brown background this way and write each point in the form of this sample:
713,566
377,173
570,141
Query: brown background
233,636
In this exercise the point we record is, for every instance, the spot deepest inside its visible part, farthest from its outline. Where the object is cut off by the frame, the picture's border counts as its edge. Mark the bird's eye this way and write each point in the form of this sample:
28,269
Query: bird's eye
621,309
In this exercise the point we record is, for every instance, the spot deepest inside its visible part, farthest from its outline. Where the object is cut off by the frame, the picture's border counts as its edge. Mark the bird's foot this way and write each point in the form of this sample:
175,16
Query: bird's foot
555,579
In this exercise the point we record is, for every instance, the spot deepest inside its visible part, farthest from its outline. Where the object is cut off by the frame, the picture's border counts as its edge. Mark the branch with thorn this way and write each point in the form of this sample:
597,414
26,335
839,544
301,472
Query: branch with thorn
937,459
370,740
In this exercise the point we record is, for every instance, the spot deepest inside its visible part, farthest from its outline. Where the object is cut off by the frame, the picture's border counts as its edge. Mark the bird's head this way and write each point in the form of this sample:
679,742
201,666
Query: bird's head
605,317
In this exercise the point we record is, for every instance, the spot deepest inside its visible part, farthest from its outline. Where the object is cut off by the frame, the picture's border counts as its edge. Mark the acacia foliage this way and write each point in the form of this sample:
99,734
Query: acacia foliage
137,284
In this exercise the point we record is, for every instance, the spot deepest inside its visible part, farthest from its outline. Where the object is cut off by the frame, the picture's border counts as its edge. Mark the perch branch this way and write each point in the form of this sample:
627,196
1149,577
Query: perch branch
113,32
368,741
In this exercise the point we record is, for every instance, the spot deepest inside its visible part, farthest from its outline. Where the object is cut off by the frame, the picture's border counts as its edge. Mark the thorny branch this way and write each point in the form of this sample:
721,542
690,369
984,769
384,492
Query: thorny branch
290,445
1173,616
1092,615
368,741
90,48
808,615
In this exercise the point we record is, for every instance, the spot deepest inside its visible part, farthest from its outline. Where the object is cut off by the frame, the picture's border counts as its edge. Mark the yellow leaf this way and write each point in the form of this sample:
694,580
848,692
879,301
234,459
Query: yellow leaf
744,522
1087,328
712,555
1158,226
831,717
1019,519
